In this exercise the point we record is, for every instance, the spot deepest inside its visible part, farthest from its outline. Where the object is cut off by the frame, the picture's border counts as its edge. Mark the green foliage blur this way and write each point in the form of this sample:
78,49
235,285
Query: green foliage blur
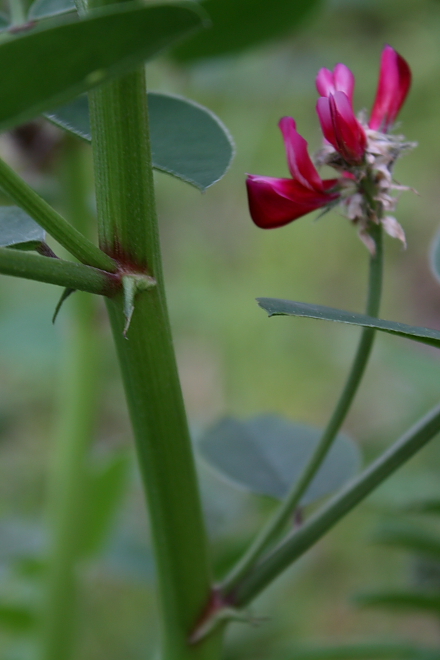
232,359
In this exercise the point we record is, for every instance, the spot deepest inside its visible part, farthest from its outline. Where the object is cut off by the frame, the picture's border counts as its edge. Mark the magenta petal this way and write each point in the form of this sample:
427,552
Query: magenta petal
393,87
324,82
340,80
349,134
276,202
344,80
325,118
300,164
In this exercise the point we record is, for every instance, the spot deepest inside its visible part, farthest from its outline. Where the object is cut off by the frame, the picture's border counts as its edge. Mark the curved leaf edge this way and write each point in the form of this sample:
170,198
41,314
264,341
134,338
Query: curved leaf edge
280,307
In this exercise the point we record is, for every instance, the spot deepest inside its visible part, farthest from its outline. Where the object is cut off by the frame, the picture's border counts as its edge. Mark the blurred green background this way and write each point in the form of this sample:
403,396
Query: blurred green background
233,360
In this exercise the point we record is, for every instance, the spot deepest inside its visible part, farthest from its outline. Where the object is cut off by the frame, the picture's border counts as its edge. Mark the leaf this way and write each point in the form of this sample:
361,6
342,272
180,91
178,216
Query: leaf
276,307
266,455
410,538
45,8
401,600
18,618
48,66
365,651
240,24
187,140
103,495
435,257
19,230
428,506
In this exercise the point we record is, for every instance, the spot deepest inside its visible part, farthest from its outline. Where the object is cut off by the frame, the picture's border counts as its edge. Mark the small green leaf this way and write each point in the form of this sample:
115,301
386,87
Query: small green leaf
435,256
45,8
276,307
240,24
48,66
266,454
410,538
18,618
187,140
19,230
401,600
103,494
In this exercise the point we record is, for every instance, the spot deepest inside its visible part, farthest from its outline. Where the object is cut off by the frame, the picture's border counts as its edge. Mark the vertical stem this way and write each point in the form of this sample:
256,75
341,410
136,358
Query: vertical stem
276,524
77,410
128,231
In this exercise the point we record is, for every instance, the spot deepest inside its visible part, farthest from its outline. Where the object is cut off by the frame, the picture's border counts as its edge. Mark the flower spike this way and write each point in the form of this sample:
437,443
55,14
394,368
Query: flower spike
393,87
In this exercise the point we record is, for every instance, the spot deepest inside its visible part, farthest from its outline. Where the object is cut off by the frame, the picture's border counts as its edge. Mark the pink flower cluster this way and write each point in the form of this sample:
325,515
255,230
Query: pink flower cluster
351,146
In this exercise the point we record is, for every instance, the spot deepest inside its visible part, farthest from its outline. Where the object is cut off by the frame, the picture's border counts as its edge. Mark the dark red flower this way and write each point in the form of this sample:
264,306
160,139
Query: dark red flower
276,202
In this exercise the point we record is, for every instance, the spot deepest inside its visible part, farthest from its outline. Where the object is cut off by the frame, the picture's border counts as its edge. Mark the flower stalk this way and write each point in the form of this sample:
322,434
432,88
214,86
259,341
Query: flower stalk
271,532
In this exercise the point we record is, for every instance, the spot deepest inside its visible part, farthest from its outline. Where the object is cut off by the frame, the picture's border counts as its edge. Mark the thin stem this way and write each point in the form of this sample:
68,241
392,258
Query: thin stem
128,230
63,232
338,507
79,392
277,523
57,271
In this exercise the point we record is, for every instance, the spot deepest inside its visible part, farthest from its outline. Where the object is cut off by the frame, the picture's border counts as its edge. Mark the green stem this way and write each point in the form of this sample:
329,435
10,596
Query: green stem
57,271
77,414
63,232
128,230
338,507
271,532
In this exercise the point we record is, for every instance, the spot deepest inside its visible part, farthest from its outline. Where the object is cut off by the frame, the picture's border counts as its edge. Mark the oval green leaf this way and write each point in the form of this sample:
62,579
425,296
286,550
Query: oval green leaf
49,66
45,8
241,24
19,230
278,307
188,141
267,454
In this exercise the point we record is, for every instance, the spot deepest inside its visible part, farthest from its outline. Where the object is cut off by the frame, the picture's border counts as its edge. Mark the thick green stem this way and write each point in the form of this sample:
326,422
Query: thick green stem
77,413
271,532
128,230
338,507
56,271
63,232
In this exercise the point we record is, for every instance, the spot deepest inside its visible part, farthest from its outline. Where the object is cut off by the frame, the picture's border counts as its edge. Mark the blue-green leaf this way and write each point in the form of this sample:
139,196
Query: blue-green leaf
241,24
187,140
48,66
276,307
19,230
45,8
267,454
